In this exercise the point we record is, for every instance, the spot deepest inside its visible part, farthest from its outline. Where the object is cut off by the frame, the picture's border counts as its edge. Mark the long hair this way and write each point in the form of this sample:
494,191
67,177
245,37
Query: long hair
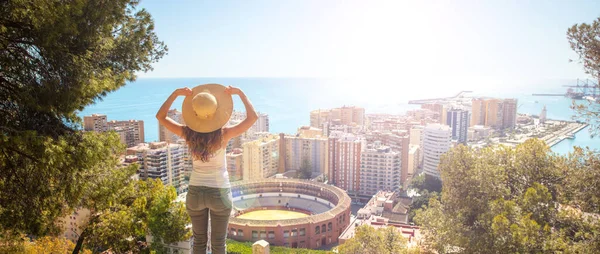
203,145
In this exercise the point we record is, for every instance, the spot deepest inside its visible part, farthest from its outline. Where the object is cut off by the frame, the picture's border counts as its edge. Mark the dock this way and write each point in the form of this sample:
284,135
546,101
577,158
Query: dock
567,133
549,94
426,101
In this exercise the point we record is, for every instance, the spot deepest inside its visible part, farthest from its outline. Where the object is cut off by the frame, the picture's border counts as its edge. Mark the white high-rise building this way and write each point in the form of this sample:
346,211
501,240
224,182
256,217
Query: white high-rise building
164,134
260,158
437,140
543,115
380,169
160,160
261,124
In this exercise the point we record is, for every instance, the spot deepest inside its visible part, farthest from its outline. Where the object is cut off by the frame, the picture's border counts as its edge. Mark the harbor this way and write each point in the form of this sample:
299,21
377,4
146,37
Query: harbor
583,90
552,132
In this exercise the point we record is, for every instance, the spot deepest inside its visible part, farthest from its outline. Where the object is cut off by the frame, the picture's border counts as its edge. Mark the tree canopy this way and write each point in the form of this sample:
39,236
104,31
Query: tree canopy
56,58
584,39
376,241
305,171
514,200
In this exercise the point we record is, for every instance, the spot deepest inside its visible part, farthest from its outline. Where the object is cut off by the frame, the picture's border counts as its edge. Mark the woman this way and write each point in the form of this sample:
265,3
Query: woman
206,109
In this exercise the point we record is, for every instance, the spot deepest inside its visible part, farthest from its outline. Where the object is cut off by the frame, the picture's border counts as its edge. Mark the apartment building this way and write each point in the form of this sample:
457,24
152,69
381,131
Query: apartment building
261,158
437,140
380,169
161,160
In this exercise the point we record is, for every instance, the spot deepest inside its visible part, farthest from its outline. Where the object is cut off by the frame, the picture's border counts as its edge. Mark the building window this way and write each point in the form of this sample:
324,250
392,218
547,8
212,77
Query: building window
233,232
254,234
263,234
302,232
302,244
286,234
271,235
329,226
294,232
323,228
240,233
317,230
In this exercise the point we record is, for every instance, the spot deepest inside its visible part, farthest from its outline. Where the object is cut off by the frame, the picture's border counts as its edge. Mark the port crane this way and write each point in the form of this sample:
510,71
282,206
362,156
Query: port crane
582,89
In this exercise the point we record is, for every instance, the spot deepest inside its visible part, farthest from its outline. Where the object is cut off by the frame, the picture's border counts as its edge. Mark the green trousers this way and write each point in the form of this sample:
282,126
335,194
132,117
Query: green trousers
204,202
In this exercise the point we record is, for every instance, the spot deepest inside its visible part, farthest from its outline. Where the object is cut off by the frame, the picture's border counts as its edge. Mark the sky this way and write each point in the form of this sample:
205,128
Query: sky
501,39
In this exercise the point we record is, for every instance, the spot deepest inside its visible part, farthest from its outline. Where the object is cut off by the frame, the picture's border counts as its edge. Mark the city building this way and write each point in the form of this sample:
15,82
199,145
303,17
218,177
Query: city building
416,135
310,132
458,120
478,132
414,161
160,160
398,141
478,112
300,148
509,114
72,223
95,122
438,109
437,140
543,115
494,113
235,165
133,130
344,160
261,124
261,158
164,134
380,169
130,132
385,209
345,115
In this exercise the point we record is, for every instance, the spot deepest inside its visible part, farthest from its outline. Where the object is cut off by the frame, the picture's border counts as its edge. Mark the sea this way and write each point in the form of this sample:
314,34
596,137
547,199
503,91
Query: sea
288,101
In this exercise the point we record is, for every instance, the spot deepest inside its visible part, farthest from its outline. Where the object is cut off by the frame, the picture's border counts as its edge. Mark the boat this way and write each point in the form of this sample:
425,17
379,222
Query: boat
591,99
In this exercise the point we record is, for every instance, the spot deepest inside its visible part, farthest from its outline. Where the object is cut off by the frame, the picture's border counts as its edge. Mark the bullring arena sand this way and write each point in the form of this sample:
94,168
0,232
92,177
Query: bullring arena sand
272,215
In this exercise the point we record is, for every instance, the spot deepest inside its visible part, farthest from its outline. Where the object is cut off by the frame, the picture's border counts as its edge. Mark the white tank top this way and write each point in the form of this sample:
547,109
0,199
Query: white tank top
212,173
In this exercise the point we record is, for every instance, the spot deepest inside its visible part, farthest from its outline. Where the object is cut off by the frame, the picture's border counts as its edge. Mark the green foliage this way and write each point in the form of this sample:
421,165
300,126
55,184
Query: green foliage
305,171
56,58
584,39
142,208
521,200
427,187
381,241
246,248
42,177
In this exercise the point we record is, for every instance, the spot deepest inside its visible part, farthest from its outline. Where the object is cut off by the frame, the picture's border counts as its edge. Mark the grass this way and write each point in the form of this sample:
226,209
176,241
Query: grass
234,247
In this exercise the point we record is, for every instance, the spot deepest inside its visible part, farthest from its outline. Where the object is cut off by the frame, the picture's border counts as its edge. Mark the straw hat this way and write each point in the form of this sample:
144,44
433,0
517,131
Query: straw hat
208,108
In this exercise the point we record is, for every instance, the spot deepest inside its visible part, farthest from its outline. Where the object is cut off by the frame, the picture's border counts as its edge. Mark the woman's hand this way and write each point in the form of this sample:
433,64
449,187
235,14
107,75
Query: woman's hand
233,90
183,92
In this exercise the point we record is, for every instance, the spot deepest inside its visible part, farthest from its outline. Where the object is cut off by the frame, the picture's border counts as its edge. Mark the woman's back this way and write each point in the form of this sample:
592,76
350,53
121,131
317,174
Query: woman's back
212,173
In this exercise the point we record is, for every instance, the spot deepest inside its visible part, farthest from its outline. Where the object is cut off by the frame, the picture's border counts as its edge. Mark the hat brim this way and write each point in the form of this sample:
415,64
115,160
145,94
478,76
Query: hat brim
221,116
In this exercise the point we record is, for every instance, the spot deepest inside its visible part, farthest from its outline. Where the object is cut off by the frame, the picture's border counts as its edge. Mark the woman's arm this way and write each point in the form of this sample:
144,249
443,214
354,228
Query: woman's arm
166,121
251,116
